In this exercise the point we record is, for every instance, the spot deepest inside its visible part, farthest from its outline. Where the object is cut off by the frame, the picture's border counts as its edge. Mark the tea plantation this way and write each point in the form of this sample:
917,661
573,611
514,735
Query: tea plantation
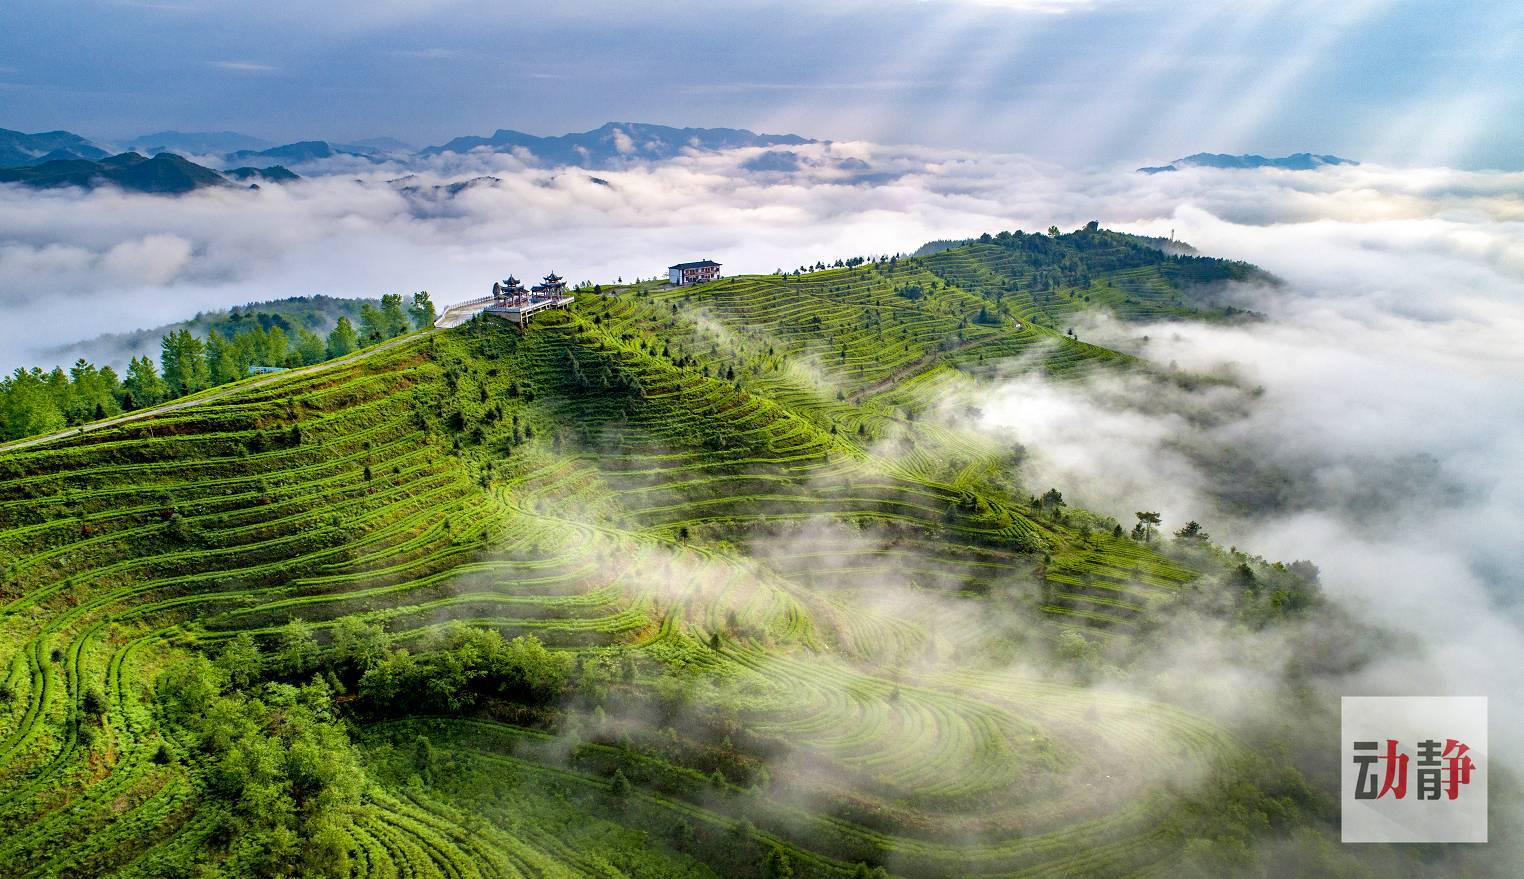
709,581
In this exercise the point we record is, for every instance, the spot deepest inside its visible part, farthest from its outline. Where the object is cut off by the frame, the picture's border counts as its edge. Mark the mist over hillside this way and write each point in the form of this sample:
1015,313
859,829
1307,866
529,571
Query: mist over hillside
898,484
1365,295
317,314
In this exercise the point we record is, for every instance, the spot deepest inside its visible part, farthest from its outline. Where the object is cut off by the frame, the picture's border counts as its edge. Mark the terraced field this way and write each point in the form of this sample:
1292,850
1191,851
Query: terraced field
789,587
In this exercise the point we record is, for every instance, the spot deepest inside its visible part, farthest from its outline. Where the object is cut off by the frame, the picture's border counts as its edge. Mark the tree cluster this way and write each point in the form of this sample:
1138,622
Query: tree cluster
279,759
466,668
33,401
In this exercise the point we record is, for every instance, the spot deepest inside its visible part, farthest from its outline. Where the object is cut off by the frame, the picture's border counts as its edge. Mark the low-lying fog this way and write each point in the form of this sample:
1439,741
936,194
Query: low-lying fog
1391,363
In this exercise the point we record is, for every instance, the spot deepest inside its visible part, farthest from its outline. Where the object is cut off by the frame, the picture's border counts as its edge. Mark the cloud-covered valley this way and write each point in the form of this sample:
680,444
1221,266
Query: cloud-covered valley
1381,399
74,264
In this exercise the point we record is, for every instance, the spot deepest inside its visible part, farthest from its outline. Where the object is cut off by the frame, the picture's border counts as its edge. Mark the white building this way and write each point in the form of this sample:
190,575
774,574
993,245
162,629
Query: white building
685,273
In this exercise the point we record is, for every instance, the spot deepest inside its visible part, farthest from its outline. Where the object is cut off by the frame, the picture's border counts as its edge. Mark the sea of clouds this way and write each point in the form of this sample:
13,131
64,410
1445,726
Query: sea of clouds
1390,362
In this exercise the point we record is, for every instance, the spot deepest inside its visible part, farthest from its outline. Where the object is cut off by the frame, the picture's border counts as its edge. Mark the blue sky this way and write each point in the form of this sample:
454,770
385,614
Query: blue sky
1075,82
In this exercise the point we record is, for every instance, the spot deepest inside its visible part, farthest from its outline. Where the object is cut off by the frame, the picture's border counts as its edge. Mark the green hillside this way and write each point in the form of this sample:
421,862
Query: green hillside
316,314
715,581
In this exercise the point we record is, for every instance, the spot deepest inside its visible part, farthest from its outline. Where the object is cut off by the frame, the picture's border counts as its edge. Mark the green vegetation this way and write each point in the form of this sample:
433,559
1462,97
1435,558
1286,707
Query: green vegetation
316,314
34,402
697,582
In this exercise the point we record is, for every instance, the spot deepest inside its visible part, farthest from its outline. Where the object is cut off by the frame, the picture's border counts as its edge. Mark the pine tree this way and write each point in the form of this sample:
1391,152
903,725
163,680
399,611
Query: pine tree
424,759
240,660
296,652
372,324
93,705
422,311
143,382
310,347
276,346
393,318
221,368
778,865
343,339
184,361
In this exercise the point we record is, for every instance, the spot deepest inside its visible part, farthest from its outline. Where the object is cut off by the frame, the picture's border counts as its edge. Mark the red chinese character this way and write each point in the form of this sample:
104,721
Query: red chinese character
1458,767
1396,780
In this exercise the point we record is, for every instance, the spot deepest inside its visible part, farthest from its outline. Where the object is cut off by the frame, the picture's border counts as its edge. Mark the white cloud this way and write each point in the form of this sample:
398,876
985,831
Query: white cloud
1047,7
1392,386
151,260
244,66
331,234
430,54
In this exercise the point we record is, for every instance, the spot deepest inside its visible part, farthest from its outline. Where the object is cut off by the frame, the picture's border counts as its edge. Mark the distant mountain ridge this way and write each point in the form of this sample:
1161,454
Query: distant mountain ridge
165,173
1293,162
19,148
610,144
199,143
268,174
616,142
299,152
379,144
62,158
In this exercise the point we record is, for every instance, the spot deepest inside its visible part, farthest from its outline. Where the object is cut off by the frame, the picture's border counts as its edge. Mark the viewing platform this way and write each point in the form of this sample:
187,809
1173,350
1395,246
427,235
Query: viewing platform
511,301
519,312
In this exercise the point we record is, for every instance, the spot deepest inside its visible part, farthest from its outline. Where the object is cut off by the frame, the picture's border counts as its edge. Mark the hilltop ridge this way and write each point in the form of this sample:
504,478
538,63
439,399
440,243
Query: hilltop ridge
615,142
165,173
1293,162
61,158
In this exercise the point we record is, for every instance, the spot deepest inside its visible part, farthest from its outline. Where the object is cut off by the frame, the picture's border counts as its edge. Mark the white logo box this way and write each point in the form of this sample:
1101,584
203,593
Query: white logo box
1411,720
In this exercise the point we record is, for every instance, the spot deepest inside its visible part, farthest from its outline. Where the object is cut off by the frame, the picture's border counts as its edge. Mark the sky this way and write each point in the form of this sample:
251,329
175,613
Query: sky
1072,81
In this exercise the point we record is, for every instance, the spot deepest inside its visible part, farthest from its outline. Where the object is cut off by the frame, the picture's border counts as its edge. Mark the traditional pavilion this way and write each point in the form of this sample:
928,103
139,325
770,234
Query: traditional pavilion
554,287
512,302
508,291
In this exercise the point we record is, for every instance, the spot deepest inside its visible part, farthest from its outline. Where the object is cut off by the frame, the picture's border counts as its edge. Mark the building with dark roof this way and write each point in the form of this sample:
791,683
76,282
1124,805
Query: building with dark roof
508,290
512,302
554,285
685,273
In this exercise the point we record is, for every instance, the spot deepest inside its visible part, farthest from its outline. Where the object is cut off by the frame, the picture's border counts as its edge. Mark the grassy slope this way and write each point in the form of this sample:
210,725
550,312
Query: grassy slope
624,505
